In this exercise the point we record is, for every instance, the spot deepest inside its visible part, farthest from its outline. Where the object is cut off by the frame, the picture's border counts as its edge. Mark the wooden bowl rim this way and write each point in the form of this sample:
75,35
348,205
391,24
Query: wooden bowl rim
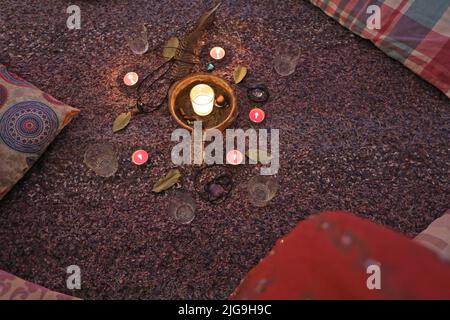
184,82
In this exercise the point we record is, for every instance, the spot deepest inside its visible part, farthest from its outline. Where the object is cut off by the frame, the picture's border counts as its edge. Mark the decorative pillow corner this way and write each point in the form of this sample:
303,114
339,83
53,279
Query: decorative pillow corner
416,32
29,121
15,288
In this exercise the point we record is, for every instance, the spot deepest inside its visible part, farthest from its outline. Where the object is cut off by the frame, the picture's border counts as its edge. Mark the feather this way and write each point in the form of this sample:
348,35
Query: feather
187,53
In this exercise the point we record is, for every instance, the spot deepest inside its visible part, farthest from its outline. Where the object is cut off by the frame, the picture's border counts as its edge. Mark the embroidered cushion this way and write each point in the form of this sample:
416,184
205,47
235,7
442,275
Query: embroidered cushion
29,121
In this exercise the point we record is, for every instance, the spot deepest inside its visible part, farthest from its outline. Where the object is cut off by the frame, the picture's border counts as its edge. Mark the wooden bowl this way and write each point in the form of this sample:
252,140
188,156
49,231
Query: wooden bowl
181,108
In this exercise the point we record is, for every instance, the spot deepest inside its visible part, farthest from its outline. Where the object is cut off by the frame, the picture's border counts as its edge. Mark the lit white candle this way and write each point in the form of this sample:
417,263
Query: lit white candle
202,99
130,79
217,53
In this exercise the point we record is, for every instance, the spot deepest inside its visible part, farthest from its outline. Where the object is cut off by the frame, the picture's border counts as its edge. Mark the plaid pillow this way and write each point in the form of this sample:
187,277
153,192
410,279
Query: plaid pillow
414,32
29,121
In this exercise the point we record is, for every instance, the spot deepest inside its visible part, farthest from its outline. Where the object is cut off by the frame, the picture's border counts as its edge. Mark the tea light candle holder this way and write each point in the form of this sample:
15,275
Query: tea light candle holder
130,79
262,189
182,207
217,53
202,99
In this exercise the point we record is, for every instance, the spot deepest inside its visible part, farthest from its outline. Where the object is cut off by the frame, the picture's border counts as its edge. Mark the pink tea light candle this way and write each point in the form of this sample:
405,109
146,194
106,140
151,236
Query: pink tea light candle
139,157
257,115
130,79
234,157
217,53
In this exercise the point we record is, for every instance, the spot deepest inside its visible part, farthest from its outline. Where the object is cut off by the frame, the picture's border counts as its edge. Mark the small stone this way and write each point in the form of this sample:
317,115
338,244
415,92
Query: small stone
220,99
258,93
216,190
210,67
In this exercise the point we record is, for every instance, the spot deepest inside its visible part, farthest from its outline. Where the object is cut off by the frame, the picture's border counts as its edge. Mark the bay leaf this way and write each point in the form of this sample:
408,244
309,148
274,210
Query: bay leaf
170,48
121,121
167,181
239,74
261,156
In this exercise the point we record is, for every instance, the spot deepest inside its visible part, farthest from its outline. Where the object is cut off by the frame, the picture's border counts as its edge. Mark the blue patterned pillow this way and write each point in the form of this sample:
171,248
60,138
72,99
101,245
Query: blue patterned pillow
29,121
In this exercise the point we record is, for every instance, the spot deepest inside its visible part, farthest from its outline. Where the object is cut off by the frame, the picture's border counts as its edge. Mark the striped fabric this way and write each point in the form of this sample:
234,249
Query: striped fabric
414,32
437,236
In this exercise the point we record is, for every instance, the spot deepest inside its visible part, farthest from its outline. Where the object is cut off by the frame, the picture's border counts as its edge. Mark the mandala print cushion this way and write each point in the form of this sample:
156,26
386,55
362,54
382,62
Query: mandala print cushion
29,121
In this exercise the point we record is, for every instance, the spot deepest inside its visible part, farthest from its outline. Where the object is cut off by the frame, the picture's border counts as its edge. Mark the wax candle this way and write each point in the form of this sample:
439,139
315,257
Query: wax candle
139,157
217,53
256,115
234,157
130,79
202,99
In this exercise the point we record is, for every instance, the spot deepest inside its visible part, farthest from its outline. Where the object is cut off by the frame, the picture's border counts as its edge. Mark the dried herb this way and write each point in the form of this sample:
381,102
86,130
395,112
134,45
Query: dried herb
167,181
121,121
239,74
170,48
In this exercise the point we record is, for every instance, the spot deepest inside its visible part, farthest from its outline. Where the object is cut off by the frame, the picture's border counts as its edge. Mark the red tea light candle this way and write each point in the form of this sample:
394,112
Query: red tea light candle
139,157
257,115
234,157
217,53
130,79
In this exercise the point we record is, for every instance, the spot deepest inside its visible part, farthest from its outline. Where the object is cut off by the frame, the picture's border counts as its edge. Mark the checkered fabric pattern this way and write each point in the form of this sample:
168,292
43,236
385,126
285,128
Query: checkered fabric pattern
414,32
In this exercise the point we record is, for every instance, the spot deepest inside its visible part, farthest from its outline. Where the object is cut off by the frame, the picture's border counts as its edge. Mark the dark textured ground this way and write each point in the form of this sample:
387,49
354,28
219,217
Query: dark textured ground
358,132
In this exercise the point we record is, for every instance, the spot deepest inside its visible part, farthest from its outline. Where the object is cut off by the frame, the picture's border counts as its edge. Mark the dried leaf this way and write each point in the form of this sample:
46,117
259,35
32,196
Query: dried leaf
239,74
121,121
261,156
170,48
167,181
